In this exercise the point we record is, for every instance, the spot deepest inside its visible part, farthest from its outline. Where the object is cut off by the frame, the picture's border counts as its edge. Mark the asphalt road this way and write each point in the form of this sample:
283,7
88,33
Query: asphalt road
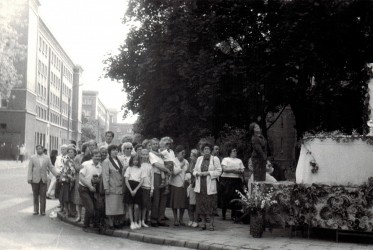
19,229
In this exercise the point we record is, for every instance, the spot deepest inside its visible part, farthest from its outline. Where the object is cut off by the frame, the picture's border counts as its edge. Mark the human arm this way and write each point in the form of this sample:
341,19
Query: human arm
156,164
29,172
52,168
214,174
105,176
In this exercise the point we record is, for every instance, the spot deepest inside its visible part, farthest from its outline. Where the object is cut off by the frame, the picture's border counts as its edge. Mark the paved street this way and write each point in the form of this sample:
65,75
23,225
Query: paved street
21,230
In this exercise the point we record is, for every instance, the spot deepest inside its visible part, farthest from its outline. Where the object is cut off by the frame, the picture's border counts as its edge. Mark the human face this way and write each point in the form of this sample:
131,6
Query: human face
108,138
71,153
96,158
144,155
139,150
103,153
167,145
63,151
155,145
127,151
149,146
234,153
92,146
181,155
206,150
216,150
114,153
39,150
136,161
257,129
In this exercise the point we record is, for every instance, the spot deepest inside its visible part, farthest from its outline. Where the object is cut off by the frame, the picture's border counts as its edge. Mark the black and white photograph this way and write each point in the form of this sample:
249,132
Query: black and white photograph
186,124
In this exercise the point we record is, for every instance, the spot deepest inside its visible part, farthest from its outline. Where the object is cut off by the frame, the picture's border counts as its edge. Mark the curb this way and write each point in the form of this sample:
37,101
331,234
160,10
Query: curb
152,239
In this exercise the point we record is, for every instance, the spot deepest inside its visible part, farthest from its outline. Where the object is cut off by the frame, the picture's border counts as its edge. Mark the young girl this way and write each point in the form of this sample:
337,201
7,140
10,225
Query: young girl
193,220
133,193
147,186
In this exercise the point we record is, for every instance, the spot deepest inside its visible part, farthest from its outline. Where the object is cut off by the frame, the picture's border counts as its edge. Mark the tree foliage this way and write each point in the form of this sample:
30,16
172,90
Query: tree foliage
12,51
192,67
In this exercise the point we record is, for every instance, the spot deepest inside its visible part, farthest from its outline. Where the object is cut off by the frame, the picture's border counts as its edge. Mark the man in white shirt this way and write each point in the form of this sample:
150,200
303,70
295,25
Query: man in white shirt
159,197
58,165
109,136
88,175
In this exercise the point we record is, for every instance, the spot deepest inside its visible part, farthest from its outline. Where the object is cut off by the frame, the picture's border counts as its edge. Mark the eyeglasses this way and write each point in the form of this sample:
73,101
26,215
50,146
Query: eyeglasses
128,148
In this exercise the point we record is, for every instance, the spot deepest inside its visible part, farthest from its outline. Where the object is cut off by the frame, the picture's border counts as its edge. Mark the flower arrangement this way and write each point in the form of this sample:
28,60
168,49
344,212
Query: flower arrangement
257,200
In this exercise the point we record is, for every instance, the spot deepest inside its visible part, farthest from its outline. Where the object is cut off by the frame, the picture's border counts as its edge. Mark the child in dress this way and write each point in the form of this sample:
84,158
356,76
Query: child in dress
67,180
169,158
147,185
192,201
133,194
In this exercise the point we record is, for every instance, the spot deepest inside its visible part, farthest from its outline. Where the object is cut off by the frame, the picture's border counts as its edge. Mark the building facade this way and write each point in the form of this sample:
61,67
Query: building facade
45,108
95,111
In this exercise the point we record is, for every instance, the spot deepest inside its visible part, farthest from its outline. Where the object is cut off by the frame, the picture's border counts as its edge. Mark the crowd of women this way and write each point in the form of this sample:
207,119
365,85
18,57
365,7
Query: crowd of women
121,185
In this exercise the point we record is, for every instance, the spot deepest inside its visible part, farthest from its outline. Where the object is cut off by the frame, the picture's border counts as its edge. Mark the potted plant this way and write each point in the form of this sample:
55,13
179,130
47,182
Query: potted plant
256,203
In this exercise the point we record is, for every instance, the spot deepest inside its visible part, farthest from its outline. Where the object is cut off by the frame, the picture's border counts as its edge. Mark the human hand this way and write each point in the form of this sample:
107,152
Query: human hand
92,189
151,194
133,193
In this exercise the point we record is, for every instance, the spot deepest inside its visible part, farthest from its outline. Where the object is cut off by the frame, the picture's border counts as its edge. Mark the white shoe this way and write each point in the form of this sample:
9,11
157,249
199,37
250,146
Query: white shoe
190,223
133,226
143,224
138,225
194,224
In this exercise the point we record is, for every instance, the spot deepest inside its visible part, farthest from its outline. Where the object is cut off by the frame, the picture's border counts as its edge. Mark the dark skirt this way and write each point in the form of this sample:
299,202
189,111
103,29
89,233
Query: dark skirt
259,166
177,199
228,187
146,199
128,198
65,192
205,204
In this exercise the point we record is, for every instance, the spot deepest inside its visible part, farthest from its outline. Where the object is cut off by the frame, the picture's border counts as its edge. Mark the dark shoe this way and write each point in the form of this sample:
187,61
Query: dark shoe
35,213
203,227
49,198
162,224
154,224
42,214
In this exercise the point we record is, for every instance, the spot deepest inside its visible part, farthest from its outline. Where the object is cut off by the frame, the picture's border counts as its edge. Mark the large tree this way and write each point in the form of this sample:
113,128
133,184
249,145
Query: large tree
12,50
191,67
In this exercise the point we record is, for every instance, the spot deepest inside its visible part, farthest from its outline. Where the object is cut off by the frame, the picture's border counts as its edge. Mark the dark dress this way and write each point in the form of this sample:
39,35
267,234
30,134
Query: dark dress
259,157
205,204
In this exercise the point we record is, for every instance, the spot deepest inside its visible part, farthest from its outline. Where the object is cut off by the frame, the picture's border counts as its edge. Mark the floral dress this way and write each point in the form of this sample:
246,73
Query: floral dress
205,204
67,179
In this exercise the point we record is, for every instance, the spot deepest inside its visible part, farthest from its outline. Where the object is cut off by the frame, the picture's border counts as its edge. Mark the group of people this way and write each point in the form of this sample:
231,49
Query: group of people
123,184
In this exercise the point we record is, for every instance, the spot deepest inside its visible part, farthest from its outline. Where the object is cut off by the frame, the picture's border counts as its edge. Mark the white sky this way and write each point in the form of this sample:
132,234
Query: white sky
88,30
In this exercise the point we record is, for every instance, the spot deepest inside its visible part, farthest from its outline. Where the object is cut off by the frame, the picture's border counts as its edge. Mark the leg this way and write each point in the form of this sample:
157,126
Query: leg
174,211
181,215
87,202
156,199
162,205
143,217
136,214
35,193
52,186
79,212
43,197
130,213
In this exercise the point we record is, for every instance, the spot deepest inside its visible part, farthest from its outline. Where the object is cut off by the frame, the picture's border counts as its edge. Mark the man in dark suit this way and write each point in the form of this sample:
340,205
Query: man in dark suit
37,177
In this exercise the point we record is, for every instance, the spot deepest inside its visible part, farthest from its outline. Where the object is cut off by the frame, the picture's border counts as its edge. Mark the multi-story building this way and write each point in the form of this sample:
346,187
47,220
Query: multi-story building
94,110
45,108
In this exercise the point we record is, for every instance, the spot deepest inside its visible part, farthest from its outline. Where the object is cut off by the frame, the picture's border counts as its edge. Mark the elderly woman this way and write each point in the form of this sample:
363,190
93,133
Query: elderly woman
230,180
78,166
259,152
127,153
206,171
112,174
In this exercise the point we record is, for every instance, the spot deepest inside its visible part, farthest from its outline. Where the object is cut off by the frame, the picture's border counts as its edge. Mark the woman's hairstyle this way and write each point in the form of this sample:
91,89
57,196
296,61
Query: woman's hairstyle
137,147
194,152
251,127
73,149
111,148
145,143
84,147
132,159
230,149
126,145
54,153
206,144
179,148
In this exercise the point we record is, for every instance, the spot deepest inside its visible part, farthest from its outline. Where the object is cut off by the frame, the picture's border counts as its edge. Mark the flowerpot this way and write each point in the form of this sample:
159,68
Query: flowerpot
256,223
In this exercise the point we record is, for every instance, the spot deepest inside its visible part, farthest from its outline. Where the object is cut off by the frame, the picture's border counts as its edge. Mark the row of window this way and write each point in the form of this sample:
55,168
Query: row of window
66,90
67,73
54,101
39,139
55,61
55,81
43,47
87,101
54,118
41,92
41,113
53,143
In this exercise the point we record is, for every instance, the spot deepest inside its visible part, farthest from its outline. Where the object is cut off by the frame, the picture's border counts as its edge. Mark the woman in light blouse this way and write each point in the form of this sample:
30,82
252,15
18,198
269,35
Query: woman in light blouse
206,171
230,180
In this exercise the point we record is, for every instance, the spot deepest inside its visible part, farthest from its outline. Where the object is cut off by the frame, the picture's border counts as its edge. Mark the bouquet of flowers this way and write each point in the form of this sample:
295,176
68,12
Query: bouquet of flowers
256,201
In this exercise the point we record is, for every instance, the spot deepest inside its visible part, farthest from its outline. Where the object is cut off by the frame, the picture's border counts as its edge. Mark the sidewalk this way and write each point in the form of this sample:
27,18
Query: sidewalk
227,235
9,164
